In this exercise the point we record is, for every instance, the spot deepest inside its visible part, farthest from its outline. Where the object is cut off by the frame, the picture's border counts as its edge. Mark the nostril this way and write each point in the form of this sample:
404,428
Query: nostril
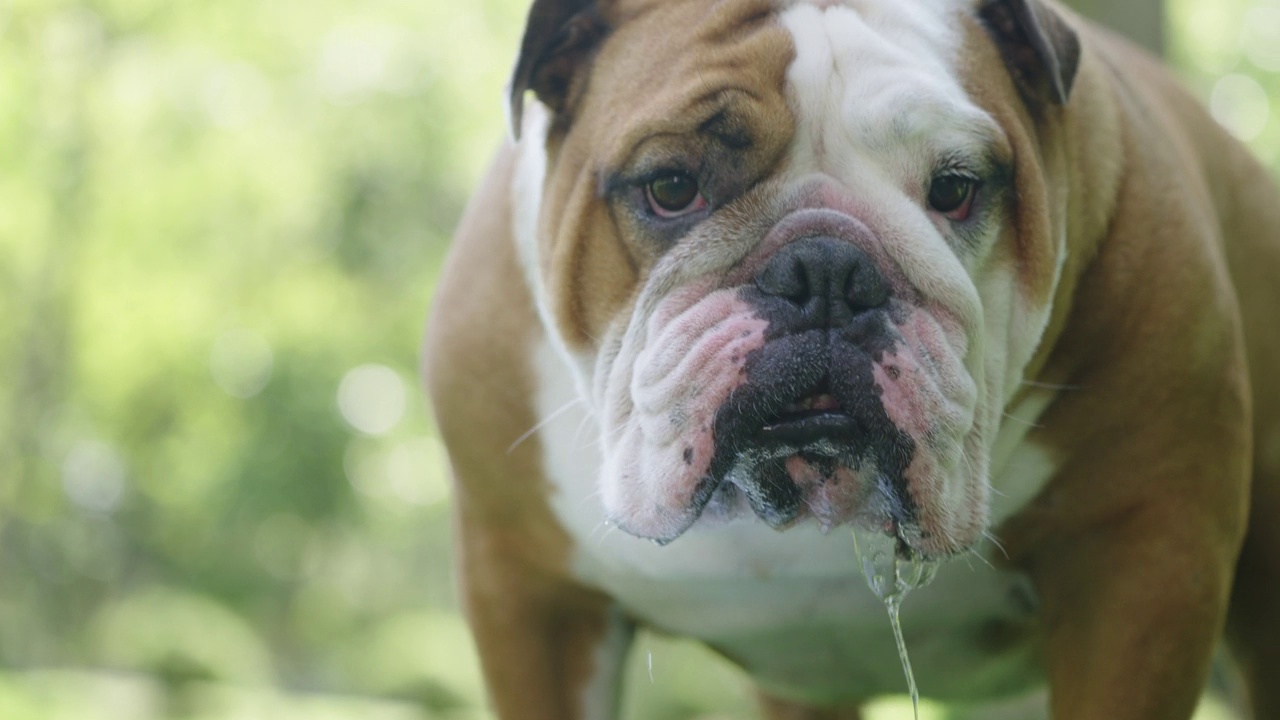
865,289
828,280
788,280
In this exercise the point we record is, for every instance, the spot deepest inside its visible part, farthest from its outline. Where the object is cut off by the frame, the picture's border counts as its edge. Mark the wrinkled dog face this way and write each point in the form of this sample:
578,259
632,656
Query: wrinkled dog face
773,241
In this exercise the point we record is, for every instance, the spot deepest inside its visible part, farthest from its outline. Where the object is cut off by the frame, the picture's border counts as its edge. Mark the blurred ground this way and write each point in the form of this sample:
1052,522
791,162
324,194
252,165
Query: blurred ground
220,224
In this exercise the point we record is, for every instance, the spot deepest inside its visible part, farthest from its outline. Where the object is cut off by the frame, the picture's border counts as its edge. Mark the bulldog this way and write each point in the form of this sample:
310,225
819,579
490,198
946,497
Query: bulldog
976,278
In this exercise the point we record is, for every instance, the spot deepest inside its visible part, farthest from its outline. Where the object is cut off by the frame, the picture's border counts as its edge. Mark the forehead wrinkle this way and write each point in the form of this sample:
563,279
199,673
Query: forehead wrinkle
692,73
694,118
915,118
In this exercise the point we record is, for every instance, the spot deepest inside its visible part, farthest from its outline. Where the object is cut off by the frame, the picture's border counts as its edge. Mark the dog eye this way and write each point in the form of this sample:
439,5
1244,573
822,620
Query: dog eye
674,195
952,195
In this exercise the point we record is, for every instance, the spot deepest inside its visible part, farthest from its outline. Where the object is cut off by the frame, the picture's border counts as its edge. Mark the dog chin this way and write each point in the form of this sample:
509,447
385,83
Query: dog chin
824,486
930,503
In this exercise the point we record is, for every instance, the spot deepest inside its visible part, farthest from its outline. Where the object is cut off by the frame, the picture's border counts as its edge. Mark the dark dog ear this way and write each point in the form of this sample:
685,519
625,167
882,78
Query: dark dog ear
1039,48
557,38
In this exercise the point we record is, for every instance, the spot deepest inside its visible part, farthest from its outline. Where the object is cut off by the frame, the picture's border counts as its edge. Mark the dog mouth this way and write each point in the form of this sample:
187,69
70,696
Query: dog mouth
807,438
808,420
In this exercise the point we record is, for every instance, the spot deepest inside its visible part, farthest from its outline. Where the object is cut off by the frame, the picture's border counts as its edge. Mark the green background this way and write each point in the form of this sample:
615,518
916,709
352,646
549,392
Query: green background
221,222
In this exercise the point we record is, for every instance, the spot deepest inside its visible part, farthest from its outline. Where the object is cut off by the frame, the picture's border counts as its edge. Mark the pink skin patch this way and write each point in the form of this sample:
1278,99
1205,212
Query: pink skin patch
928,394
694,355
831,497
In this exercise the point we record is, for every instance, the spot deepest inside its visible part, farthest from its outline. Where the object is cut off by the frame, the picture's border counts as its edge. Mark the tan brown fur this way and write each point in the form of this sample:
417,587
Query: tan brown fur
512,555
1163,333
593,268
1156,321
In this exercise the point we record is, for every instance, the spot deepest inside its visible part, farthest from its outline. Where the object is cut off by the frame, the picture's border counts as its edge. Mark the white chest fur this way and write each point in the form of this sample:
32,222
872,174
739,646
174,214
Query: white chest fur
791,607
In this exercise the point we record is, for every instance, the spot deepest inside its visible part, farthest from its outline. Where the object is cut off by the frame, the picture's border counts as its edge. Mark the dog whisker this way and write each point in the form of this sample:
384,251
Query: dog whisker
1024,421
543,423
1051,386
995,541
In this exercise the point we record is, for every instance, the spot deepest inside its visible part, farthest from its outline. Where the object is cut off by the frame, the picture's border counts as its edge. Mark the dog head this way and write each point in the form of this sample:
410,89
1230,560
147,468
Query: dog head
799,254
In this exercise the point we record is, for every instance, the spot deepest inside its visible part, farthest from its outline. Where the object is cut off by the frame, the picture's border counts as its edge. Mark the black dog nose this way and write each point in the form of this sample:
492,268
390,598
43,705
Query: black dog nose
828,280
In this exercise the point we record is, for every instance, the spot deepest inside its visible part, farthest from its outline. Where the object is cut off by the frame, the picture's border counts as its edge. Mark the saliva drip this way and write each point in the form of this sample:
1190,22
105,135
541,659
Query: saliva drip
891,578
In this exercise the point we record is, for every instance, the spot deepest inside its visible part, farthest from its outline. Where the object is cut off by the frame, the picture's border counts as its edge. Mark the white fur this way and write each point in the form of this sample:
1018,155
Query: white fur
1020,469
526,196
875,97
756,593
878,104
526,200
877,100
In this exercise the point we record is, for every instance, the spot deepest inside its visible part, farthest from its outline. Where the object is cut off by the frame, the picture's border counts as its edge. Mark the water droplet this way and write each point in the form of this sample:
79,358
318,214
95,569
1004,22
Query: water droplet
896,623
892,578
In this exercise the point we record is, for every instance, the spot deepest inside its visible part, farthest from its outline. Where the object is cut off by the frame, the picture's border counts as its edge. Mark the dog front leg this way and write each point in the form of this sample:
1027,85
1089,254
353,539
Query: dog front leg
1132,610
549,649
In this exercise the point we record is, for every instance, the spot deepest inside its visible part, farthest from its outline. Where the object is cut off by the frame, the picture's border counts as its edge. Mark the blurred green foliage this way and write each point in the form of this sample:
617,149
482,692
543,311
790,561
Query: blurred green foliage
210,213
220,224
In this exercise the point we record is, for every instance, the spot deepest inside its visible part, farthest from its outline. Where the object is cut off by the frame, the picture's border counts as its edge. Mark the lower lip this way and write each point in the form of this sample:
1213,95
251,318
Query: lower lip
810,428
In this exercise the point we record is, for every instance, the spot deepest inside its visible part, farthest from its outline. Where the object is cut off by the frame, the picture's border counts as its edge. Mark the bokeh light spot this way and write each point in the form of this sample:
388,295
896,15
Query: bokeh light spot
93,476
414,472
235,94
355,61
1240,105
1260,37
371,398
241,363
408,473
366,469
